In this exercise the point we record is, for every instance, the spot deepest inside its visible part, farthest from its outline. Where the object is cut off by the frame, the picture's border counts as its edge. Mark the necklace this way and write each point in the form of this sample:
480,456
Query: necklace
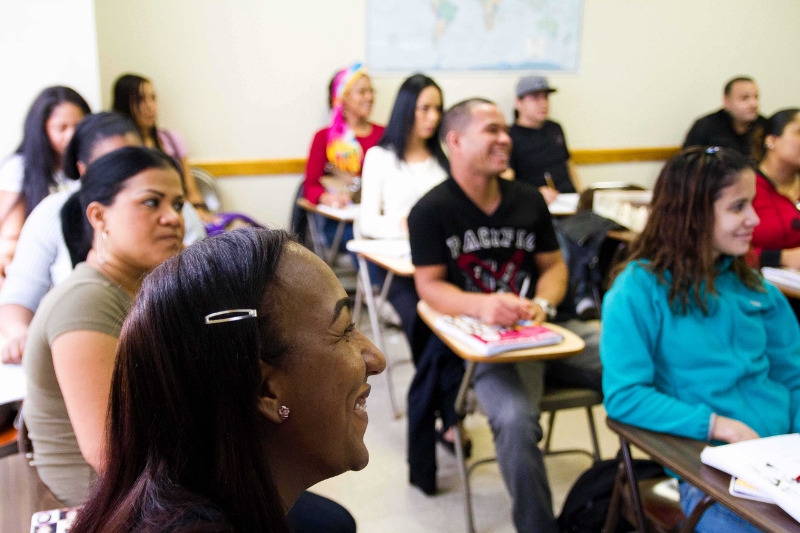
792,191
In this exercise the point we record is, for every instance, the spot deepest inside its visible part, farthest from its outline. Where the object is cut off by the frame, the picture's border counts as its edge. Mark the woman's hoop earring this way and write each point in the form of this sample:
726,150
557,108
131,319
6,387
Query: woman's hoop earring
101,250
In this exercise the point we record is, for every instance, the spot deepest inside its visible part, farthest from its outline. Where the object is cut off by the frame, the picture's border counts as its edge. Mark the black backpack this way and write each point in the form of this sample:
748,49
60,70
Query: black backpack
589,499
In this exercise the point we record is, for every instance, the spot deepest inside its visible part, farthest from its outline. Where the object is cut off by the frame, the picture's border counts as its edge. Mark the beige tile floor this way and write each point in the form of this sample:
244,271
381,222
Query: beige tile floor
381,499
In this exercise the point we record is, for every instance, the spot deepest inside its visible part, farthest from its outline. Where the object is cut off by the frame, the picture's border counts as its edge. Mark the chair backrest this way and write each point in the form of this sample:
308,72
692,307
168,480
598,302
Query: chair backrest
24,443
208,188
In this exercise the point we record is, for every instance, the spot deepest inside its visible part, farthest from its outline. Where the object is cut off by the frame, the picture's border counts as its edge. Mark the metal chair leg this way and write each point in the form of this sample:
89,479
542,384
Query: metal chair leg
333,251
317,238
550,424
372,309
615,506
359,299
462,470
636,500
593,430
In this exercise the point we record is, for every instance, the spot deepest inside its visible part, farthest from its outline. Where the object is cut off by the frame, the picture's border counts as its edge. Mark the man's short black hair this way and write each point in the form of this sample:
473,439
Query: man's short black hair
457,117
729,85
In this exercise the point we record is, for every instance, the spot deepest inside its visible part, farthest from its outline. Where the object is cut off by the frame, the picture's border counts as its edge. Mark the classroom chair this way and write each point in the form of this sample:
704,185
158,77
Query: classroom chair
553,400
9,435
208,189
639,502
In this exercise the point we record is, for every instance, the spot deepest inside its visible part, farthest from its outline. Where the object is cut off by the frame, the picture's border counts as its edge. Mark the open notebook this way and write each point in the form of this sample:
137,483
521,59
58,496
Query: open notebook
771,465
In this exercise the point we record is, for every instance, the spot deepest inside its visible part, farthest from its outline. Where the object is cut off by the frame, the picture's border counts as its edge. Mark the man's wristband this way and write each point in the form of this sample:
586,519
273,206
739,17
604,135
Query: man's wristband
547,307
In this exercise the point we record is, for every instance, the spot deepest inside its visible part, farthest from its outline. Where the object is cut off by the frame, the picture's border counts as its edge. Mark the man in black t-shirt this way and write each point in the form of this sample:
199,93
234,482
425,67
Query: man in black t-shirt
734,124
539,154
475,240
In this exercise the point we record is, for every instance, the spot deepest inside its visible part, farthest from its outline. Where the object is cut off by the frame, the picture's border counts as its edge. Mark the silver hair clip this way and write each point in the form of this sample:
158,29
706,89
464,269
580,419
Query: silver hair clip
712,150
230,315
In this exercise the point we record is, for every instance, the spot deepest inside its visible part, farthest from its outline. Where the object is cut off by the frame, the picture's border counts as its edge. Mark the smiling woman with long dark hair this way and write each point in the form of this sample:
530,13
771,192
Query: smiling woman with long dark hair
695,343
240,381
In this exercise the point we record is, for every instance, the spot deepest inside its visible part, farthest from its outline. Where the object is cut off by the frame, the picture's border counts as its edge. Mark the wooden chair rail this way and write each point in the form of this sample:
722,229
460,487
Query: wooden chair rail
272,167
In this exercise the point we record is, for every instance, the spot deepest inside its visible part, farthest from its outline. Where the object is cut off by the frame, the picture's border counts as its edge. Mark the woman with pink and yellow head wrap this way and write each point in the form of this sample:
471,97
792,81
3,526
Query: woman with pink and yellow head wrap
339,149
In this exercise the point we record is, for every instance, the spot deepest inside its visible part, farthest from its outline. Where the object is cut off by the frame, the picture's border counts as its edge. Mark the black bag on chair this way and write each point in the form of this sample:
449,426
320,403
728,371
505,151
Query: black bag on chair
589,499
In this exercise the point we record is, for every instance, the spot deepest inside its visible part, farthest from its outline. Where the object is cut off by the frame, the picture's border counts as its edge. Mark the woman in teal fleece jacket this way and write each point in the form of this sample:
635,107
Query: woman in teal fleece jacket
694,342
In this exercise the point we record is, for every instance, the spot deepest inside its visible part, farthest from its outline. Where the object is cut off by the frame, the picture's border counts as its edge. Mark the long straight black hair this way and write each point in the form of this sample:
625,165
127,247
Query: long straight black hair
127,96
401,123
187,440
41,161
102,181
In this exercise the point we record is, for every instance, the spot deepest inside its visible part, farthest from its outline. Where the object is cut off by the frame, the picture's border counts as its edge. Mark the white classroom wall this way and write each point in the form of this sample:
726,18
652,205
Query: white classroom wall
44,43
246,79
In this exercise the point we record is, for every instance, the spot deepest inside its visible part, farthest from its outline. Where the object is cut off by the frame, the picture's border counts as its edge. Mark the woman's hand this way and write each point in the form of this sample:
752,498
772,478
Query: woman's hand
11,354
334,200
14,322
730,430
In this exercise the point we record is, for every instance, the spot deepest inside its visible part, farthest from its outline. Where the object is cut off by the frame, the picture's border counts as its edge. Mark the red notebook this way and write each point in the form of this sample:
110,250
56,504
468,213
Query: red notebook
491,340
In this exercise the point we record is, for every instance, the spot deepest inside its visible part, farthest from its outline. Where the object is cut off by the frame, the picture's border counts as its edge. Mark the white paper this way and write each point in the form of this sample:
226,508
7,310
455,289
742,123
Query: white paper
12,383
783,276
566,203
771,465
387,247
350,212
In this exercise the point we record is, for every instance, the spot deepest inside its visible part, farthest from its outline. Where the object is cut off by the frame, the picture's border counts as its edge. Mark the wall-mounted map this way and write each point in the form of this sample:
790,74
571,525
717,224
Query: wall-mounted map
406,35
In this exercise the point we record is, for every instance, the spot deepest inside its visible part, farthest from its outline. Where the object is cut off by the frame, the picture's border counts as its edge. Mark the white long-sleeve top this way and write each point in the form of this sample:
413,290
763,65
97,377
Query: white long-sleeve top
390,188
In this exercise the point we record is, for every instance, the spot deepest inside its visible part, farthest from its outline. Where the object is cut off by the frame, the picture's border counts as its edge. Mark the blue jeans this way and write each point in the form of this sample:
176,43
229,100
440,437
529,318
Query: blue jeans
510,395
717,518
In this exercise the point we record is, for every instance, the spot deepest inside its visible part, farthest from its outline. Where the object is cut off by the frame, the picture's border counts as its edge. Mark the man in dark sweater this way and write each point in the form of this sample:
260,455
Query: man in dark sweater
539,154
734,124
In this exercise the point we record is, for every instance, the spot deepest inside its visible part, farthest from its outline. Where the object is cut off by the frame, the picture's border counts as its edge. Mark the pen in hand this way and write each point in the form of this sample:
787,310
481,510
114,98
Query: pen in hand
526,284
549,181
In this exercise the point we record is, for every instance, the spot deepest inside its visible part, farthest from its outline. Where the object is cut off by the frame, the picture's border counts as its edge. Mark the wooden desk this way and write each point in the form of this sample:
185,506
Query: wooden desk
682,456
571,345
395,265
341,216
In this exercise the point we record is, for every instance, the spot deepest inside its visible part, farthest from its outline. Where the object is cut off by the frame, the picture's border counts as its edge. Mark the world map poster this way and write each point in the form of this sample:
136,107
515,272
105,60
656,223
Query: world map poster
460,35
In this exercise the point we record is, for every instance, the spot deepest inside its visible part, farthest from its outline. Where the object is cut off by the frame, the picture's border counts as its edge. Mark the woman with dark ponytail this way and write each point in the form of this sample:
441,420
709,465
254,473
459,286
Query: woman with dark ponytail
35,169
125,220
42,259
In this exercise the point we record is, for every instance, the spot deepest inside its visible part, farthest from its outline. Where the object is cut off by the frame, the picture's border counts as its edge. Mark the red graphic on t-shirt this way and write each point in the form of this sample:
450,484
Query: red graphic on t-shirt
473,267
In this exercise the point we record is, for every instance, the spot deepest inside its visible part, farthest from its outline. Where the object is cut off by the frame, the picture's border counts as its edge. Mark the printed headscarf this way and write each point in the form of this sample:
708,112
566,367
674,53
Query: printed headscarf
343,150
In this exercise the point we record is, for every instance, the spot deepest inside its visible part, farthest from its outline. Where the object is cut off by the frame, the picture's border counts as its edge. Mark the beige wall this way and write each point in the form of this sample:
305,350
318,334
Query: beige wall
247,78
44,43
